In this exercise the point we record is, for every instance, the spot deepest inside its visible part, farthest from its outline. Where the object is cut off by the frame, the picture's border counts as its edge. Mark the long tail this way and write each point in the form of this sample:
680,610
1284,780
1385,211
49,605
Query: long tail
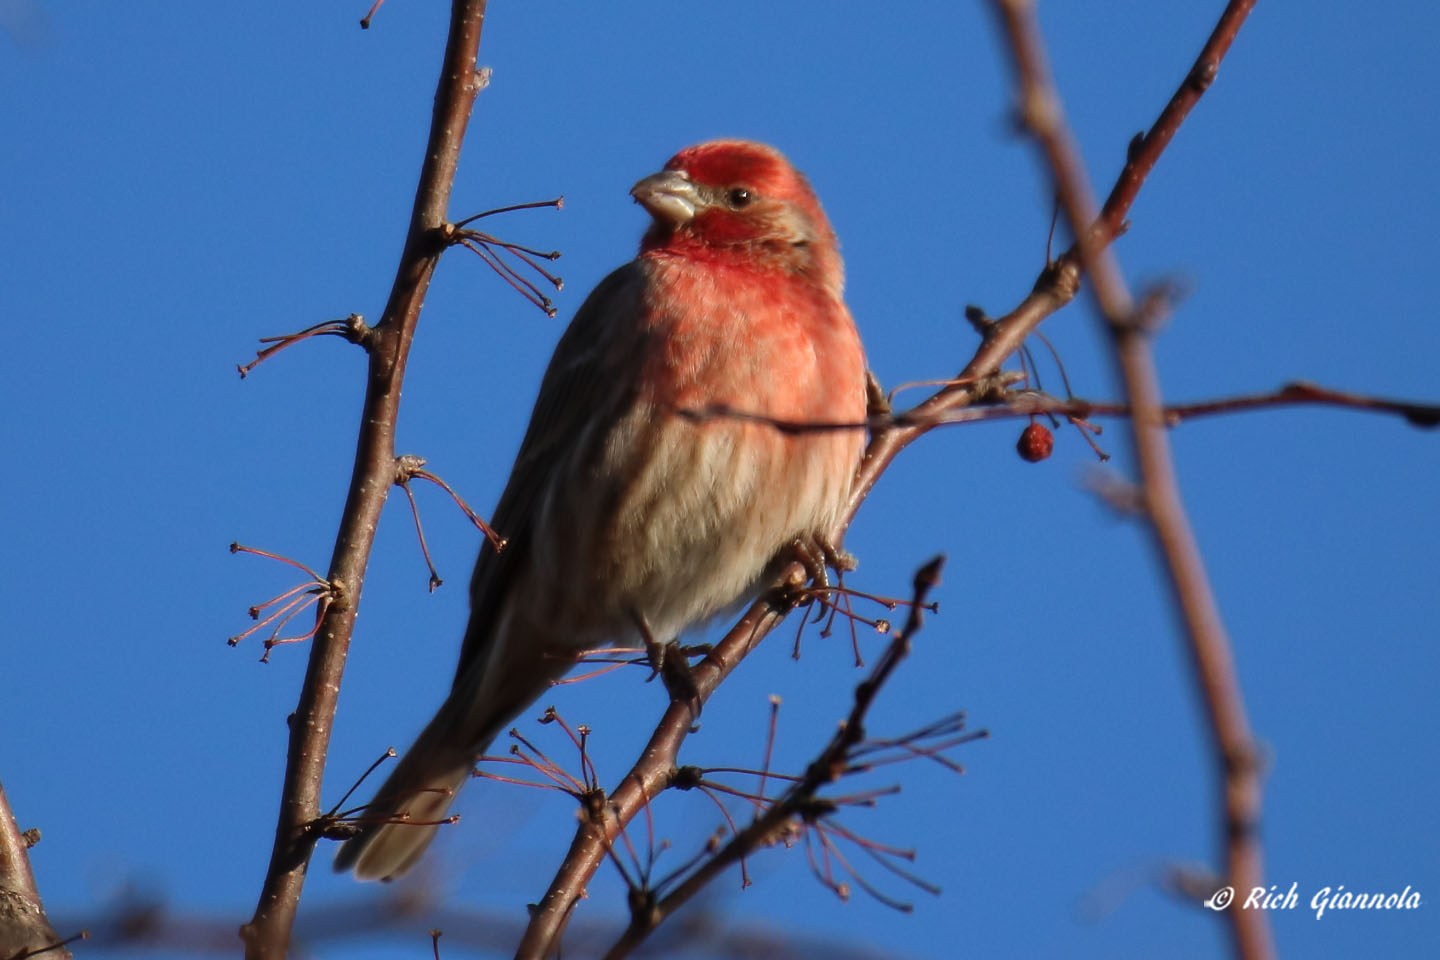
401,821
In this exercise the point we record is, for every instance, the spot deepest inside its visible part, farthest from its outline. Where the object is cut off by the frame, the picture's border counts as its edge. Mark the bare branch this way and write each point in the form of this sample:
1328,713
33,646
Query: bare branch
828,766
1208,644
24,929
1059,281
1296,394
267,935
1011,404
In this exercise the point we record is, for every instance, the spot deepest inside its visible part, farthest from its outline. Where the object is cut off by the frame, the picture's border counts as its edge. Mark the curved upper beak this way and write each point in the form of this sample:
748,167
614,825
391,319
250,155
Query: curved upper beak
669,196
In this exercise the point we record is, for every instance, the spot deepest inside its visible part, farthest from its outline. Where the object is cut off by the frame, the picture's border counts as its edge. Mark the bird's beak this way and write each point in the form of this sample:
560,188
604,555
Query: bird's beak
669,196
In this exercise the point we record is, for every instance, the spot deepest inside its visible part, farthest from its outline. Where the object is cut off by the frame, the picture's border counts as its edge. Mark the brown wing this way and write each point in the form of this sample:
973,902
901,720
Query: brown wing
591,375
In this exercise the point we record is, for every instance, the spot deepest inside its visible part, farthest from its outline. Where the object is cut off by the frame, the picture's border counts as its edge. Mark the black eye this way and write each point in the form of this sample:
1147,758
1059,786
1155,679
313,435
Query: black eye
738,197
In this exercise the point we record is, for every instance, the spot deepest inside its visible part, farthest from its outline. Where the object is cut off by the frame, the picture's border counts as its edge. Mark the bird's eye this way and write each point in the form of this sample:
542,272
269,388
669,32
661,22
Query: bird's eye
739,197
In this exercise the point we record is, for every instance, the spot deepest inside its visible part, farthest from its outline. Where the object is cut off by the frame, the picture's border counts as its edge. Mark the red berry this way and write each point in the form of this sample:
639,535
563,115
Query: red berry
1036,443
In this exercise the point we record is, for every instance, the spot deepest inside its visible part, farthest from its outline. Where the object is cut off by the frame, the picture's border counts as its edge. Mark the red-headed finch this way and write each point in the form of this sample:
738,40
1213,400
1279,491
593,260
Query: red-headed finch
620,511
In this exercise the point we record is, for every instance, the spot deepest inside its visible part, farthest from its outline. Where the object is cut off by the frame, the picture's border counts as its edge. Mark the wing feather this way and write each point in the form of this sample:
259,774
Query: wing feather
590,378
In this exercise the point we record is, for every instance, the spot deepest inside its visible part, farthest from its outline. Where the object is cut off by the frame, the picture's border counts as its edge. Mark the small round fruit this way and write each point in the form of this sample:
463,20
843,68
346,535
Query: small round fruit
1036,443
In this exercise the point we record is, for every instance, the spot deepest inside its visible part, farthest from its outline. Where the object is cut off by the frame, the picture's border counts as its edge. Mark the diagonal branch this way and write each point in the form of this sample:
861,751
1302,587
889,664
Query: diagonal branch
1059,281
24,929
1055,288
267,934
831,763
1174,540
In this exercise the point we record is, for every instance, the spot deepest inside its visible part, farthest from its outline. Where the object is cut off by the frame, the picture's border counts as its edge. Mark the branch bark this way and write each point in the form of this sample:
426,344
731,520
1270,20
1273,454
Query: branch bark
267,934
825,769
24,929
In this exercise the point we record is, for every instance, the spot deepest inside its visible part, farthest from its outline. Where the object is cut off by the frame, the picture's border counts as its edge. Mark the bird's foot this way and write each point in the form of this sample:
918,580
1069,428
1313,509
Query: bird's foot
818,554
669,662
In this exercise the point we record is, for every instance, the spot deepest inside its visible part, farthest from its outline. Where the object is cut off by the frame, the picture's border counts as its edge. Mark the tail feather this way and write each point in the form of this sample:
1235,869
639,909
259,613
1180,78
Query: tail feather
401,821
385,851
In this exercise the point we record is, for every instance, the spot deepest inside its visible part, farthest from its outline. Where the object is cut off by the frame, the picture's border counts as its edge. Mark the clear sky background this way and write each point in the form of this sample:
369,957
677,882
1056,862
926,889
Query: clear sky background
181,179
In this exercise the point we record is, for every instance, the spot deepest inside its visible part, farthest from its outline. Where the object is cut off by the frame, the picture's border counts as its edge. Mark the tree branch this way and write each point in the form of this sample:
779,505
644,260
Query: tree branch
1058,283
650,775
24,929
267,935
826,768
1174,540
1055,287
1025,403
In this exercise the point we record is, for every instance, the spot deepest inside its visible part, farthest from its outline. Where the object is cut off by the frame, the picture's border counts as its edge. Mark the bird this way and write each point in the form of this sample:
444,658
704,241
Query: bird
654,488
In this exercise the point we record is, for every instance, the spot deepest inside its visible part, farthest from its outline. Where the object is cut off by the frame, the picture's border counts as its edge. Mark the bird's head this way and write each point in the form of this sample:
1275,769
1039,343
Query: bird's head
742,202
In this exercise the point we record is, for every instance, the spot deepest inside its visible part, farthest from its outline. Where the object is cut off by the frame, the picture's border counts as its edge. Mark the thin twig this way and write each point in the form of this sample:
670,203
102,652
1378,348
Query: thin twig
1012,404
1059,281
497,541
435,579
352,328
558,203
828,766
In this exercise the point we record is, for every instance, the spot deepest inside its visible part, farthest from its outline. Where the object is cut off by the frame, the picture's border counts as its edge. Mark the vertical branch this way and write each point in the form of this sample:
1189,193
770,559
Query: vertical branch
1209,646
24,929
267,934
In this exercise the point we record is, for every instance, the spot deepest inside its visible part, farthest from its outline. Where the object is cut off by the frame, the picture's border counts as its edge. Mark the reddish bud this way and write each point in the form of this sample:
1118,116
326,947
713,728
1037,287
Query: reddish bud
1036,443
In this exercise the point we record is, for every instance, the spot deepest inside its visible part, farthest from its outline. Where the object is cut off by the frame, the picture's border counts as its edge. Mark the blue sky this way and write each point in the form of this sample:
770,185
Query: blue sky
182,179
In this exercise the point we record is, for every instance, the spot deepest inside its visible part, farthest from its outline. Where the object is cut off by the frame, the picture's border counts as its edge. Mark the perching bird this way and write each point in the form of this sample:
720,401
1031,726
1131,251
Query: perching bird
620,511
